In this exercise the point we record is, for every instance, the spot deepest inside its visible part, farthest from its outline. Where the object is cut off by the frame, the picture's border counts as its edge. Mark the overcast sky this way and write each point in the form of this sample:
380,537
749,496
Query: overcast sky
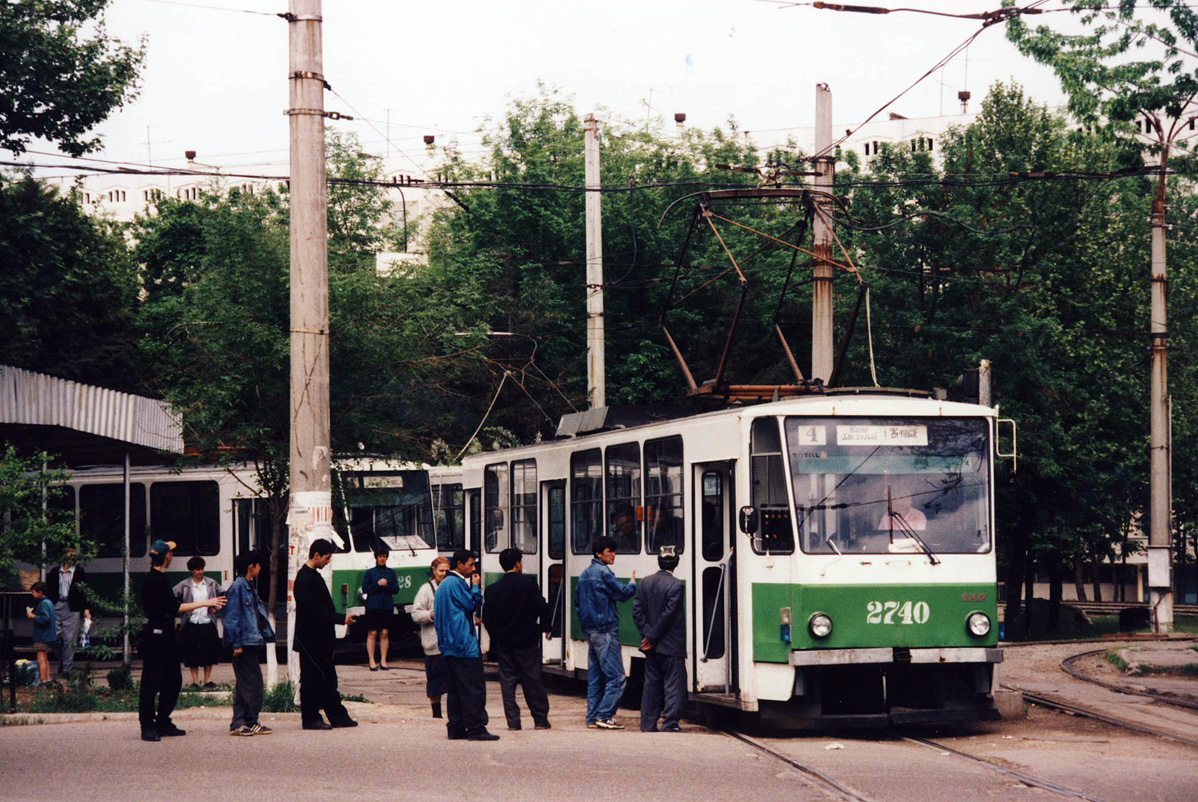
215,81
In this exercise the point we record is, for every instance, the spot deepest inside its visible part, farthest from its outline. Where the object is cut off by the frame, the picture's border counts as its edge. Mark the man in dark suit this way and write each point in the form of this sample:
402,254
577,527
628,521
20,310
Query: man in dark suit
515,615
315,638
64,587
660,614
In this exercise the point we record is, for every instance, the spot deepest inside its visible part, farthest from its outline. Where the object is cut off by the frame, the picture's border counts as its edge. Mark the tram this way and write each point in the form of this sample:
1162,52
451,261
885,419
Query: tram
837,548
219,512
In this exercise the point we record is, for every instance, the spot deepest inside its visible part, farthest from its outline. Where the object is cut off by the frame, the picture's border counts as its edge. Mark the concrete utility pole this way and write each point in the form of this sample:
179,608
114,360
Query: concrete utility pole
310,509
822,344
1160,532
596,360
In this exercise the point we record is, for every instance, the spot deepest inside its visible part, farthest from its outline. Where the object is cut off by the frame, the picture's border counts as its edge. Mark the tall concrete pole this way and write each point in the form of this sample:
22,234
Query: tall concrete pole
1160,532
822,344
596,360
310,509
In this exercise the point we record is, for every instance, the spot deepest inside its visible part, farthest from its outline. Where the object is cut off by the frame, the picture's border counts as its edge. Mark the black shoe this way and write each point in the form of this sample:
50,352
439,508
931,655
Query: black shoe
457,736
211,686
150,735
317,725
671,729
170,731
515,727
341,723
481,734
543,725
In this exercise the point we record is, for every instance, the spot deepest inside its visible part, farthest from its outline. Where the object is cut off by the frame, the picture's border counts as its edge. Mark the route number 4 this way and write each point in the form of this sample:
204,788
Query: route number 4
878,612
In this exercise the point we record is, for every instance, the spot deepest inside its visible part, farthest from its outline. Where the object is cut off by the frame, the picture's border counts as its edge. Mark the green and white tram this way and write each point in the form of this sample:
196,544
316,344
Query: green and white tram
838,549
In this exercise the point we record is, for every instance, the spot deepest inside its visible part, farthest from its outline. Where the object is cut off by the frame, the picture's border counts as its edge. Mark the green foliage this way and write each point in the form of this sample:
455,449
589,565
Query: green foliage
280,698
61,75
120,678
24,525
68,289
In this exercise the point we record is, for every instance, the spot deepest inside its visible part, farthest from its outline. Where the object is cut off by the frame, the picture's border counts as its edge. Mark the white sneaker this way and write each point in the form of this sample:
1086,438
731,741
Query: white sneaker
609,724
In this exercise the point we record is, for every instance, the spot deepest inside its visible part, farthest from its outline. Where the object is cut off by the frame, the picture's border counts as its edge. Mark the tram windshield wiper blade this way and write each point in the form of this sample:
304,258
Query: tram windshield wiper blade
908,531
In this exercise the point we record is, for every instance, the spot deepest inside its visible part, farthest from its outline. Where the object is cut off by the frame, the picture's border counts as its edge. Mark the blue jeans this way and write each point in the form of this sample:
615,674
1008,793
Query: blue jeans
605,675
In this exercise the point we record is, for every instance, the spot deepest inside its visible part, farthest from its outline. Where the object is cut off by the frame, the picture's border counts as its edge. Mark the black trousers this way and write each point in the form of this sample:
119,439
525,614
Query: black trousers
247,696
522,667
664,695
318,690
161,679
467,691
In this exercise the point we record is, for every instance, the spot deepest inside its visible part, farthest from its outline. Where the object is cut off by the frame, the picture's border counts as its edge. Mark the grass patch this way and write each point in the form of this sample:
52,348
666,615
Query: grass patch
1113,657
280,698
76,698
355,697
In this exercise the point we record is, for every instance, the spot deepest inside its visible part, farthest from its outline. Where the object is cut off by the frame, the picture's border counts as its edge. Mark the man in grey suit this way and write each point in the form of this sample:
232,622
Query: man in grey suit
660,614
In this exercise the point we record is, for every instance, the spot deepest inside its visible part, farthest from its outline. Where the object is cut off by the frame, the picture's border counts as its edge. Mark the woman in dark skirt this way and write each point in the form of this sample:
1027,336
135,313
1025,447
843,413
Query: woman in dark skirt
379,586
198,634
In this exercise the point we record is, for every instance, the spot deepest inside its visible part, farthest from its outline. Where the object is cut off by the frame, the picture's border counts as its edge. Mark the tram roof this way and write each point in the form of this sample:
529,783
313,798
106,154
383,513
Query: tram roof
84,424
833,402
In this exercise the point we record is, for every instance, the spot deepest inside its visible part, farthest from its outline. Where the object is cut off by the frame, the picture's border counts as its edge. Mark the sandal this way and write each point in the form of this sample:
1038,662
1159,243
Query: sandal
385,668
374,668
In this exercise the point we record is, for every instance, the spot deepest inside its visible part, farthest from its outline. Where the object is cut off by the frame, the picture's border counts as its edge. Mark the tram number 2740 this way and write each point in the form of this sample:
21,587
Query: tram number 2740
893,612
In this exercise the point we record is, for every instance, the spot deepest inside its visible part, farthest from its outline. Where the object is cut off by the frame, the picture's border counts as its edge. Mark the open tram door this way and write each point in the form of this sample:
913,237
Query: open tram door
713,633
553,567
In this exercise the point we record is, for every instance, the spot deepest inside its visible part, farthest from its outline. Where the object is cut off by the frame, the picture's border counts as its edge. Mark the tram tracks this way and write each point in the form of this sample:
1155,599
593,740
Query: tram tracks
844,792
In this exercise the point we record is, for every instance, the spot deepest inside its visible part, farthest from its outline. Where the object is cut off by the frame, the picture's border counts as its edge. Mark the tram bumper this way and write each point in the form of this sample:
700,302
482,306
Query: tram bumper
871,687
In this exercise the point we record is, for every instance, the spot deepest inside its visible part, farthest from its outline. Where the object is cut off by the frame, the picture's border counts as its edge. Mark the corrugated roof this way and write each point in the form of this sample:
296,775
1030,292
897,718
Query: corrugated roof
35,399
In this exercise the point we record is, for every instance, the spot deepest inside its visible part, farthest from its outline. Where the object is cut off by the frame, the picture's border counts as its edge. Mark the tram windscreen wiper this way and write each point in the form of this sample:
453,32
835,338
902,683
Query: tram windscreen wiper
906,529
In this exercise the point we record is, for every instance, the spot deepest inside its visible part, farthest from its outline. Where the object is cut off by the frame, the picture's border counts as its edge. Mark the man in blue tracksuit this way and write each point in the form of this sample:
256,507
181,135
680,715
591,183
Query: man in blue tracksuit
595,602
455,605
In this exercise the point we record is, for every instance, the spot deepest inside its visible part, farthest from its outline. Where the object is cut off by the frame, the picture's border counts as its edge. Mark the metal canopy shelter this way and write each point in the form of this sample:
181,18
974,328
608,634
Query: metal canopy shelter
79,425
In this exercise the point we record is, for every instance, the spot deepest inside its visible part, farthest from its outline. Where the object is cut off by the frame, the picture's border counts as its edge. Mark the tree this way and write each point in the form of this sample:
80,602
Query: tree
34,527
68,290
1132,61
57,82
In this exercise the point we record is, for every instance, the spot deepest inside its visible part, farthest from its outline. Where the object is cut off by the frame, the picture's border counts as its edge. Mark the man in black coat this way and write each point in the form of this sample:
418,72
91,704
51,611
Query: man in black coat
660,614
64,587
515,615
315,639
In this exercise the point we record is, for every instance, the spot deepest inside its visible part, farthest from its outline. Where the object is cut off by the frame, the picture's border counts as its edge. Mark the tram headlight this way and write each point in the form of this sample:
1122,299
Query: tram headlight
820,625
978,624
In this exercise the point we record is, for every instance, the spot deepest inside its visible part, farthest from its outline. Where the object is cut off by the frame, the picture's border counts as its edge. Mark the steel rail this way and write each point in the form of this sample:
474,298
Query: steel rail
1026,779
1067,667
821,780
1057,704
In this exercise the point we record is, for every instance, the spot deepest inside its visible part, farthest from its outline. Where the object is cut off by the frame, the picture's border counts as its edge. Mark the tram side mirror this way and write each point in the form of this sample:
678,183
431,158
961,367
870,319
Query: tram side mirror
750,520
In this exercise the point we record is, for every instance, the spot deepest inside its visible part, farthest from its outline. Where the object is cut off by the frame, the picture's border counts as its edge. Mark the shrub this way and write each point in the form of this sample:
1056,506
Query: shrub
280,698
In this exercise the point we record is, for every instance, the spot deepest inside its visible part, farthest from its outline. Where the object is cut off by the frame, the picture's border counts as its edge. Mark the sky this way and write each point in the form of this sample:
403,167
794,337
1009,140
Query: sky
214,80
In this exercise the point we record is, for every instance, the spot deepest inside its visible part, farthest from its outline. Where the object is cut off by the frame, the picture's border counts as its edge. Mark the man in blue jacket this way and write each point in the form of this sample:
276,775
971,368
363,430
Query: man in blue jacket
455,605
595,602
247,630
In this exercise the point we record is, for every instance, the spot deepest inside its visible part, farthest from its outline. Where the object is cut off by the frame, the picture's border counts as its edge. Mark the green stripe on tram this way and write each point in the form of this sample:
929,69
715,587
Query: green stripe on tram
870,616
410,579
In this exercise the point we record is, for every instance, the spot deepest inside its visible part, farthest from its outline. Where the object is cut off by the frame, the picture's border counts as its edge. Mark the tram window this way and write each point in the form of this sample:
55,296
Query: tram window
713,612
524,505
624,496
713,515
775,535
664,513
450,517
557,522
187,513
476,518
102,517
60,501
391,509
586,499
495,507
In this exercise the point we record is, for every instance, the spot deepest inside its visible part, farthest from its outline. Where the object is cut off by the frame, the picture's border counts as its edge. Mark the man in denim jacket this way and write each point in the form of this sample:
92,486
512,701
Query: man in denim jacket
595,602
247,630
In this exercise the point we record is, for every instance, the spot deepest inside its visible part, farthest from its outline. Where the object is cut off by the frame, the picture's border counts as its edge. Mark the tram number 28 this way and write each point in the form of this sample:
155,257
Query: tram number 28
893,612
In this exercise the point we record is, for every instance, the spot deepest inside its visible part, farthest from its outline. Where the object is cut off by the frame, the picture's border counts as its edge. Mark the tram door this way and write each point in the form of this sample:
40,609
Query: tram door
553,567
714,633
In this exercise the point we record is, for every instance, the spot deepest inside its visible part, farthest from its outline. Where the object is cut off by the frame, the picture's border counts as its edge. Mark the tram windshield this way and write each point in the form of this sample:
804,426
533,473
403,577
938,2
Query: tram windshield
891,485
389,508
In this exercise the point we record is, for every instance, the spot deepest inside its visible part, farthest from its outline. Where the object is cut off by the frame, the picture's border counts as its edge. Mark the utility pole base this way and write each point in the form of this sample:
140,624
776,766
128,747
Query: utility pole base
1161,604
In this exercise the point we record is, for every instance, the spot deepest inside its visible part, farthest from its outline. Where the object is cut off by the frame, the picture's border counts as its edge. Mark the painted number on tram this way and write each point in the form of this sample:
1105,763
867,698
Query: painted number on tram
894,612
